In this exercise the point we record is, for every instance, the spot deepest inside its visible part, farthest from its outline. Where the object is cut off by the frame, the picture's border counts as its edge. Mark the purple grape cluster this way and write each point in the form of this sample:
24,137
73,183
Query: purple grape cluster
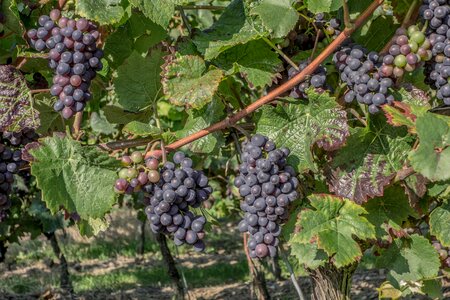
359,69
170,192
437,71
268,185
444,254
317,80
73,55
410,48
11,145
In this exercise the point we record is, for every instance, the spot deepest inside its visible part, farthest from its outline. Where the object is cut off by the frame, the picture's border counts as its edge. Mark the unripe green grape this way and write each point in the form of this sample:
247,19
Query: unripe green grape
330,30
414,46
409,68
137,157
412,29
126,161
443,254
132,173
123,173
400,61
418,37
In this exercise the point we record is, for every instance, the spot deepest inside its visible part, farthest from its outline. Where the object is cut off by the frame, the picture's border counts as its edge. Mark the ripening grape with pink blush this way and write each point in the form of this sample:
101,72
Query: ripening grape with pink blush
73,53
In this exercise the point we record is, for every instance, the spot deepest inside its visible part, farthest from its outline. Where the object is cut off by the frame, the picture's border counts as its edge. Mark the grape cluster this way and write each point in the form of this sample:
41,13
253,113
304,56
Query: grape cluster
410,48
317,80
331,28
11,145
444,254
268,185
358,68
437,71
170,191
73,55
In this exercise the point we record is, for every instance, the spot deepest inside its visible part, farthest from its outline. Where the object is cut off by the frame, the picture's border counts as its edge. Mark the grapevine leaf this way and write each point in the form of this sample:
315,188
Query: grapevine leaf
16,103
440,189
159,11
392,208
333,225
199,119
188,82
376,32
105,12
141,129
117,115
92,227
308,254
323,6
432,157
409,259
100,124
400,114
118,46
299,126
12,17
440,223
369,161
50,119
255,61
138,81
285,20
80,179
232,28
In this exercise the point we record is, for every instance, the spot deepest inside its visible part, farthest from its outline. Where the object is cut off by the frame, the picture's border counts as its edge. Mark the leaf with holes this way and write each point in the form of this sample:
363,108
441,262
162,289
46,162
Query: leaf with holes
440,223
80,179
255,61
299,126
432,157
409,259
187,81
105,12
333,226
16,103
277,16
232,28
199,119
369,161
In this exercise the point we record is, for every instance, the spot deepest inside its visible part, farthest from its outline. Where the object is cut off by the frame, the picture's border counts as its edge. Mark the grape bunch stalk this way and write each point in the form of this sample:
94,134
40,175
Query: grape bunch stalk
11,148
359,69
73,55
268,185
437,71
170,192
410,48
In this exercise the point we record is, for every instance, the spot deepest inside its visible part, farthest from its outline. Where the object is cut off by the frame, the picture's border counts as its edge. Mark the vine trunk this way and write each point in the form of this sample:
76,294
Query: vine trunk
332,283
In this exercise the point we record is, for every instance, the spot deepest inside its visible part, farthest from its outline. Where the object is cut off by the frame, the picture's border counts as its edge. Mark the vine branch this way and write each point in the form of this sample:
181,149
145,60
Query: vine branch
271,96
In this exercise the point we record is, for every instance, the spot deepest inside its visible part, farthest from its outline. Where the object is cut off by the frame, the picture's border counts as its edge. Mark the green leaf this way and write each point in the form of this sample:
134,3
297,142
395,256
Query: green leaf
117,115
100,124
277,16
50,119
308,254
299,126
159,11
199,119
334,224
138,82
440,223
16,103
50,223
392,208
92,227
409,259
432,157
369,161
141,129
255,61
188,82
12,17
232,28
79,178
118,46
105,12
323,6
376,32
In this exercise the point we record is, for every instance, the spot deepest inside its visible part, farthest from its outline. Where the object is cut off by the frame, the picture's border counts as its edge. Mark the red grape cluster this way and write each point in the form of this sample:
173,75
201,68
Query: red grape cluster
444,254
11,147
317,80
268,185
170,192
410,48
437,71
74,56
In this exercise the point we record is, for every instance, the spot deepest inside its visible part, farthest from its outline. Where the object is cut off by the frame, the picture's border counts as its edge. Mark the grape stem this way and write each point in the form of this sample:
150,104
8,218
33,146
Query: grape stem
271,96
77,124
347,19
39,90
61,3
409,19
281,53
